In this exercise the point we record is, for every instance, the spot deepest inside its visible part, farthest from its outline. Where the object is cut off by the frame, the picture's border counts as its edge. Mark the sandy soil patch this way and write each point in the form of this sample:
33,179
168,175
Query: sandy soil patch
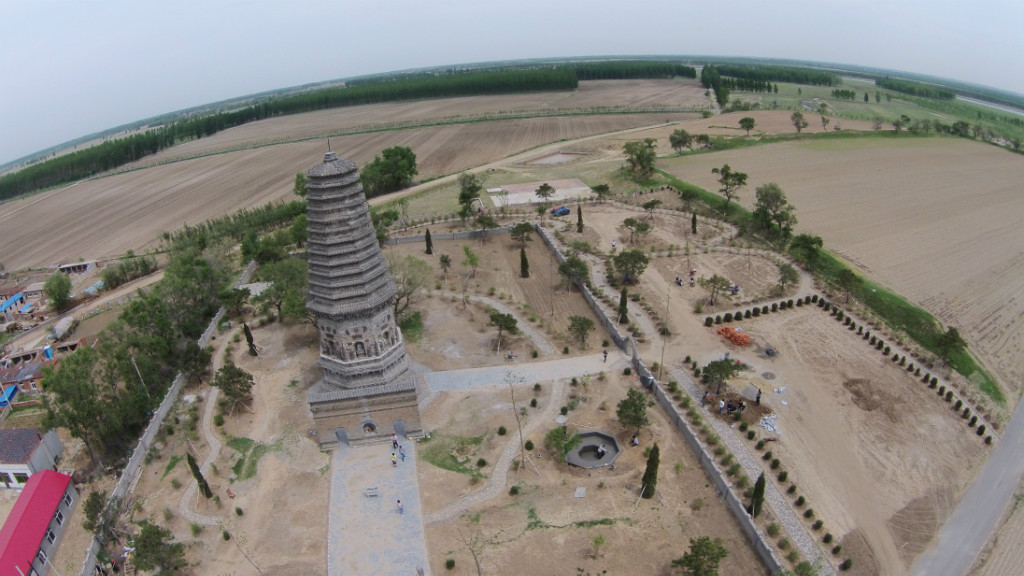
289,487
565,190
545,529
538,301
604,93
934,218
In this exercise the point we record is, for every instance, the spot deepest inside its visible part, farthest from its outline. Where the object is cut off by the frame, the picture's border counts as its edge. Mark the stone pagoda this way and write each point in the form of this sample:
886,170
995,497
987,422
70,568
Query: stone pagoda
367,392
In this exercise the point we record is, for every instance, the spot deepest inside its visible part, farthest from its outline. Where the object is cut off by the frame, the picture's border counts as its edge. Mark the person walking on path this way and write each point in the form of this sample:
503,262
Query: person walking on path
401,452
401,509
605,356
757,401
721,408
394,460
394,441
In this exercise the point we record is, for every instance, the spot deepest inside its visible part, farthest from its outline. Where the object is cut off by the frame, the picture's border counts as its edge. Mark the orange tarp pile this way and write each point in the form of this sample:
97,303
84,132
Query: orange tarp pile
735,336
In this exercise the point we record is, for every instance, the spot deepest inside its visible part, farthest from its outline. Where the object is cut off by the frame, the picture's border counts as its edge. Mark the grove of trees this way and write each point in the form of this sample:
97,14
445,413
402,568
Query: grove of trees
393,169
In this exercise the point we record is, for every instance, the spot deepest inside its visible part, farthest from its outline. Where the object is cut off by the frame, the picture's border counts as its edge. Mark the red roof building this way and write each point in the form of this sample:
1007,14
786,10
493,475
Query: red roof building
32,532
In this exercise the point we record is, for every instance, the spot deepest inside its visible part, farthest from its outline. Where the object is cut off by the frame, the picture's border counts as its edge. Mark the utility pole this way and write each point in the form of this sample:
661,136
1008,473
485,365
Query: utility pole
146,390
664,340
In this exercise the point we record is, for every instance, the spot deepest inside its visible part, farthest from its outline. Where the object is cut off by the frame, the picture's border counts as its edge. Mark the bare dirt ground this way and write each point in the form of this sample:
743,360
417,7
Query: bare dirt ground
284,504
933,218
539,302
879,456
1005,552
604,93
544,529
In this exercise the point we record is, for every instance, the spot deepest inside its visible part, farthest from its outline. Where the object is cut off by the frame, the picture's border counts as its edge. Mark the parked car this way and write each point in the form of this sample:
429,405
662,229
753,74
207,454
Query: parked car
560,211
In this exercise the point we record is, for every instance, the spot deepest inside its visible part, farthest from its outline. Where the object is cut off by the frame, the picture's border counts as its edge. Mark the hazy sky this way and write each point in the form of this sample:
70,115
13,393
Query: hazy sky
68,69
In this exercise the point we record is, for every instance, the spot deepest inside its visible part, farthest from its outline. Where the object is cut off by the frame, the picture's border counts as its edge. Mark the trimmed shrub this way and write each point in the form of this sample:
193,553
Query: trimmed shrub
627,371
218,419
764,309
800,303
895,357
757,312
791,489
837,549
775,463
751,434
981,430
773,530
846,565
743,426
827,538
709,321
783,476
784,544
759,445
974,420
728,317
767,455
814,298
873,340
225,535
746,314
775,307
988,439
903,360
533,402
959,404
926,378
935,381
942,390
966,413
528,445
887,350
949,396
789,303
800,501
809,513
513,491
718,319
449,563
502,431
818,524
480,463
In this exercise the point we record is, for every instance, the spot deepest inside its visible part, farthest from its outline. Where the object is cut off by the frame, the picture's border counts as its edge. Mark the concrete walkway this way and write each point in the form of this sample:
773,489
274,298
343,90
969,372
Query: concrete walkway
367,534
962,537
529,372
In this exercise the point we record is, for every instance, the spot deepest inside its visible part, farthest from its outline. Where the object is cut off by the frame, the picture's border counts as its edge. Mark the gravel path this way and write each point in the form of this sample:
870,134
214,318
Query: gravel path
752,467
215,445
499,475
538,339
530,372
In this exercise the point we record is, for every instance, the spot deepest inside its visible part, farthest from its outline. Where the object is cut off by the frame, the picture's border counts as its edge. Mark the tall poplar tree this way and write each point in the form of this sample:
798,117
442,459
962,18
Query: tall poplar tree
650,480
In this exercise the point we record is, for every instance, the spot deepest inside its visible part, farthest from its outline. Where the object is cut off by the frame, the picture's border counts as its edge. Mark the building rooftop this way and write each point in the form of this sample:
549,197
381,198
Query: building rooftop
17,444
29,520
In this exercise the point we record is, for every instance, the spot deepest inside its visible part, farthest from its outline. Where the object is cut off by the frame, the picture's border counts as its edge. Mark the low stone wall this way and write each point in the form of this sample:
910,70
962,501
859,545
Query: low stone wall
716,474
129,474
621,342
447,236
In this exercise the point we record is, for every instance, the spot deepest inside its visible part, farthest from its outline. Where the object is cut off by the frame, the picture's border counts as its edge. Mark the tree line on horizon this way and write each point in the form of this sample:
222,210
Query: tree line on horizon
915,88
117,152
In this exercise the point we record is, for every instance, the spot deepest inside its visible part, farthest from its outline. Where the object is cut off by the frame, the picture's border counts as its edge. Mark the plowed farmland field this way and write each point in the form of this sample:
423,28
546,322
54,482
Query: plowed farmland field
937,219
105,217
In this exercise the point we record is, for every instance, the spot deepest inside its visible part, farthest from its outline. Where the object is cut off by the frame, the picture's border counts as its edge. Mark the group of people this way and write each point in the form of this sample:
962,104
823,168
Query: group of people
727,407
397,451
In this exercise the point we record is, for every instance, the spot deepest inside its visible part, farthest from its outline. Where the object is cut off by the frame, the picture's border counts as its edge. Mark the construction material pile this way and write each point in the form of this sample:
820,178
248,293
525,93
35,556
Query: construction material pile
734,335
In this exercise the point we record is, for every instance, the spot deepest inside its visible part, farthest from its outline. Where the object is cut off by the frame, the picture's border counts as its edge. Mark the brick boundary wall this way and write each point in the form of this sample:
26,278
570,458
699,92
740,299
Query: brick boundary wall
126,482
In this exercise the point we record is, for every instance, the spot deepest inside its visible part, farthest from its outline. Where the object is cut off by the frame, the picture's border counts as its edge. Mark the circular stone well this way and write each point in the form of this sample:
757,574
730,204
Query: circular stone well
586,454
